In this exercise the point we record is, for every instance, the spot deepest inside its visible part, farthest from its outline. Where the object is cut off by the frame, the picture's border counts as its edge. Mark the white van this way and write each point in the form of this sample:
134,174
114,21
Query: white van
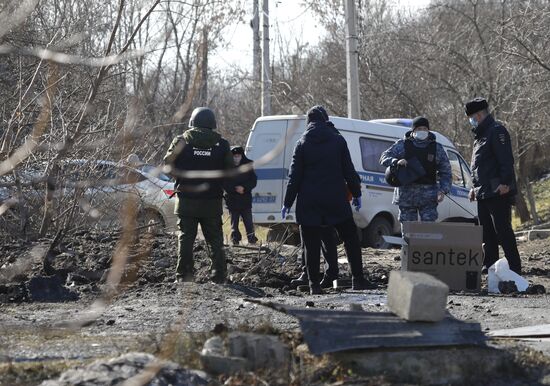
366,142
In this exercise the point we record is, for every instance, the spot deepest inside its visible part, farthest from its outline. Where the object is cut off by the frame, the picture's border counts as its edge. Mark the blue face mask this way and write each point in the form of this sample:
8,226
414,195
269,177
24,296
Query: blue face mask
473,122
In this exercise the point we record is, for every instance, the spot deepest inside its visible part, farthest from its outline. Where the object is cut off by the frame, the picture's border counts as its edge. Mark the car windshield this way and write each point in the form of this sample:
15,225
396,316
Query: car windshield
150,169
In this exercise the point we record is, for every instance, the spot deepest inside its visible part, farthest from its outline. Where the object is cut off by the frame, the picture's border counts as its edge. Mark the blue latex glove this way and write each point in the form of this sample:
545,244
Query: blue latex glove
284,212
356,202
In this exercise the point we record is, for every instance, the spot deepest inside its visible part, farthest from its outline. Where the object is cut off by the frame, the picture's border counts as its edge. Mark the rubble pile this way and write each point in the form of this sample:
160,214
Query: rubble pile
79,265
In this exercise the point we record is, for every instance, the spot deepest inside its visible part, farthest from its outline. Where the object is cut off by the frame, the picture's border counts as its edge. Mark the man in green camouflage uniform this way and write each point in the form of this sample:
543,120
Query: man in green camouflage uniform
199,199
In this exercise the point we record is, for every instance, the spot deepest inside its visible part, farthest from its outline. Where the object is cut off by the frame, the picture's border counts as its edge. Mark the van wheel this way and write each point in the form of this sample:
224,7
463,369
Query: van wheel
377,228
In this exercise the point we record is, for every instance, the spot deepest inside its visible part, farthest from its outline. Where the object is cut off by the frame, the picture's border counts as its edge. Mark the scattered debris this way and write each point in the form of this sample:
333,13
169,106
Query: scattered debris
141,368
243,352
535,289
507,287
49,289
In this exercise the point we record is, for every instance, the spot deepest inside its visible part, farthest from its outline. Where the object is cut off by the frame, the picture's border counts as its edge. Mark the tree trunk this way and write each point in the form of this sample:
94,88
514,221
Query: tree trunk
532,203
521,206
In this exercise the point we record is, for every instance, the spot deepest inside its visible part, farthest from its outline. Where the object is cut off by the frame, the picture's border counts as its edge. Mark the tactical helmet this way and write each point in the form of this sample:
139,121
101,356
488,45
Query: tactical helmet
203,117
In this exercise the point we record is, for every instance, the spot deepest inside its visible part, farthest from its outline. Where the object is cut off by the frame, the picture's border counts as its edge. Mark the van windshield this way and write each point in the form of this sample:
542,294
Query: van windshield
460,170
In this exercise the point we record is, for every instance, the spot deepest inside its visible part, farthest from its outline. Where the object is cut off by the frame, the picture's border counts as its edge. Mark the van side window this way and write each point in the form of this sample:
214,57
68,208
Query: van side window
371,150
460,171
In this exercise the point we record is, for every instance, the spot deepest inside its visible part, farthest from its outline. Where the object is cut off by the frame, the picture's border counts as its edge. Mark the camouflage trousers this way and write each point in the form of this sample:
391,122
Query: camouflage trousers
410,213
213,235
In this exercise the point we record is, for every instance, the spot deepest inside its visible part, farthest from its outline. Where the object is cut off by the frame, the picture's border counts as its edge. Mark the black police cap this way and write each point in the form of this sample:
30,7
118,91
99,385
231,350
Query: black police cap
237,150
475,105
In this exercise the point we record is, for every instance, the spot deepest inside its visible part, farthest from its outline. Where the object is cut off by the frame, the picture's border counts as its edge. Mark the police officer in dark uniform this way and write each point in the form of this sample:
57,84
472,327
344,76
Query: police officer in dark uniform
321,167
238,198
494,182
199,199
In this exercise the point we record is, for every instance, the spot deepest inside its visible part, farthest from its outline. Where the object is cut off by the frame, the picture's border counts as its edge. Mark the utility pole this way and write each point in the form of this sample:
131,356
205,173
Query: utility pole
266,82
257,50
203,91
352,62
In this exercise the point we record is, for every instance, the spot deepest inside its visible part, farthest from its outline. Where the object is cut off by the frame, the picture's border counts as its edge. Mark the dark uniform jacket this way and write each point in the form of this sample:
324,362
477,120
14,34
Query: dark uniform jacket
236,201
199,149
492,159
321,167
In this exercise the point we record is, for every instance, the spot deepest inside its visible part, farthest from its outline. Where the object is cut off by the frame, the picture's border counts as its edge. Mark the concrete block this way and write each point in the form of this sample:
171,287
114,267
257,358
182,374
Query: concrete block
417,296
538,234
213,346
217,364
262,351
215,361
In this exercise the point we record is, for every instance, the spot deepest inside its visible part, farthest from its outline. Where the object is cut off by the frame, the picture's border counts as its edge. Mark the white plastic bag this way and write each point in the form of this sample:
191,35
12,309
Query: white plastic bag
492,280
504,273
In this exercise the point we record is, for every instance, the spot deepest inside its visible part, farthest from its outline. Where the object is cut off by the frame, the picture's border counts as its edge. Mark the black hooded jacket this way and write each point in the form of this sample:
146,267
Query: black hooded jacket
236,201
492,159
321,167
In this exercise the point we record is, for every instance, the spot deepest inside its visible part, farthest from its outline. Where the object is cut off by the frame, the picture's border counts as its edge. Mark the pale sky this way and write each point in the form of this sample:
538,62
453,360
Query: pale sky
288,19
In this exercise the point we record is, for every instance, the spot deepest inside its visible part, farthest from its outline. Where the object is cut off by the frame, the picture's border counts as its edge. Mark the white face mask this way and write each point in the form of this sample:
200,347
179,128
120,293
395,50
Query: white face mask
420,135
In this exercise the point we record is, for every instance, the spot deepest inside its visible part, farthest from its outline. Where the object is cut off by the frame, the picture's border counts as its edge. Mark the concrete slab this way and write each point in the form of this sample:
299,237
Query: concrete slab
457,366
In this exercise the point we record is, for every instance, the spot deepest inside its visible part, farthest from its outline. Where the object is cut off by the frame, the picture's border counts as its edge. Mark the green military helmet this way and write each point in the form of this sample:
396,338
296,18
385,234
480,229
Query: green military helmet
203,117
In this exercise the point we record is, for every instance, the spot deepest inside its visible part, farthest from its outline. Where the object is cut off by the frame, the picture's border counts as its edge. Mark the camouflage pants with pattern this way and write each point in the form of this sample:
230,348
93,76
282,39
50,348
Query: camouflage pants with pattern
410,213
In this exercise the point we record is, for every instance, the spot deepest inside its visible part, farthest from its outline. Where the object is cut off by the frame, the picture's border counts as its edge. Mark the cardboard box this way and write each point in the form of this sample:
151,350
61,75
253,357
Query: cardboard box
450,252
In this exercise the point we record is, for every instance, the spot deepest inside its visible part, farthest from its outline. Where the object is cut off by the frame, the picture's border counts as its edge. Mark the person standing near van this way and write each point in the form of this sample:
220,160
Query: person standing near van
238,198
494,183
321,166
328,240
199,199
421,196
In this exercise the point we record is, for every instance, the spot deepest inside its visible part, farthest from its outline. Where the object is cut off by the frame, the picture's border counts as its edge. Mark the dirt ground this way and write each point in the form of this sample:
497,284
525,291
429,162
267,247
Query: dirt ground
55,332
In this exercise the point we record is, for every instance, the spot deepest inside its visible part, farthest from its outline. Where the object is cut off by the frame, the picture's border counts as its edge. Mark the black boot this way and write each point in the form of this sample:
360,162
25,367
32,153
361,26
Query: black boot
360,283
327,282
315,289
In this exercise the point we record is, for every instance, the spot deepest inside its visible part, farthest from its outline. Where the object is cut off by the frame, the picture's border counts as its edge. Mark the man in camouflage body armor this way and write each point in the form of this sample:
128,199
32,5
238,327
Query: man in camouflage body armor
422,196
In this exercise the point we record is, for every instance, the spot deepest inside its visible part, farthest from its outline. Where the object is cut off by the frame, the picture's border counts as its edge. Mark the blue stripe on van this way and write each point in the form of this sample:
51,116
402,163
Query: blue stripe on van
459,192
370,178
367,178
271,173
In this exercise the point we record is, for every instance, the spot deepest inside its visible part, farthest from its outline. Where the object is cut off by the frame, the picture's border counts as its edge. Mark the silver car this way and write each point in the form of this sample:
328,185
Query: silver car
106,185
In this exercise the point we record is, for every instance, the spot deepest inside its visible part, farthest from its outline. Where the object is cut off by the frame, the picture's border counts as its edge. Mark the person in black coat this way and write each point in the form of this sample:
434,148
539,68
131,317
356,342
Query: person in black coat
494,183
238,198
321,167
